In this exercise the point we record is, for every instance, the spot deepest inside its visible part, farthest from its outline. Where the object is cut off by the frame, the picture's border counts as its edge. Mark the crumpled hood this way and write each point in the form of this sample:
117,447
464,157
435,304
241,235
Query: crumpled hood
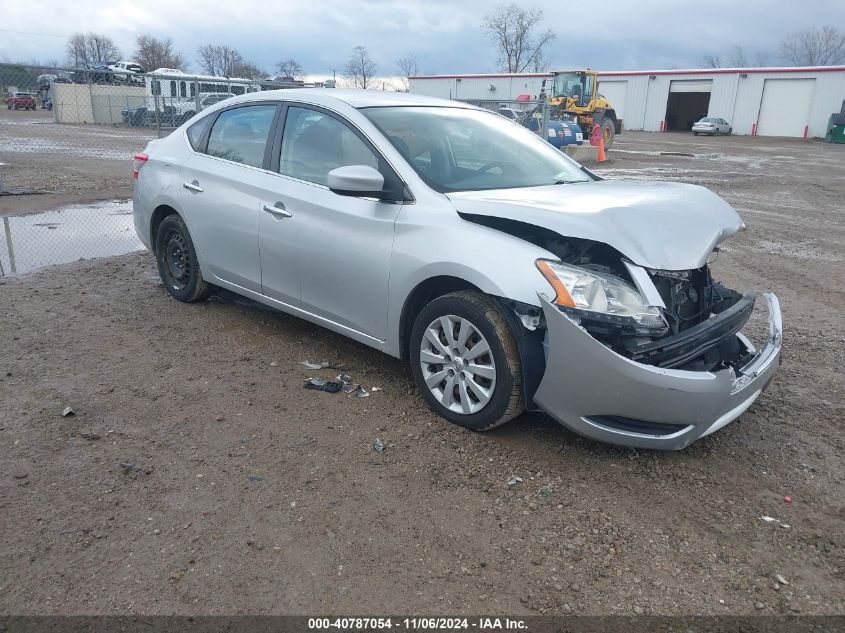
662,225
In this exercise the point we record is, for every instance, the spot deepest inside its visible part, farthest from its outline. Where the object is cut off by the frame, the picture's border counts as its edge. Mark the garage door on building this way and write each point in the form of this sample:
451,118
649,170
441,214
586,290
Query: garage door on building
689,100
691,85
616,92
785,107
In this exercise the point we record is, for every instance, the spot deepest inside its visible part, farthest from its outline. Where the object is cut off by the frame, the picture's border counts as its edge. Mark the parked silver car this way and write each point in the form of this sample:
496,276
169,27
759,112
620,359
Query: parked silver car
511,277
711,125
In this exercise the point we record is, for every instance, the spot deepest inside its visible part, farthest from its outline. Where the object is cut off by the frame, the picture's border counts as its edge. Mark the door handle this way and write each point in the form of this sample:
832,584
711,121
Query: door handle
279,210
192,186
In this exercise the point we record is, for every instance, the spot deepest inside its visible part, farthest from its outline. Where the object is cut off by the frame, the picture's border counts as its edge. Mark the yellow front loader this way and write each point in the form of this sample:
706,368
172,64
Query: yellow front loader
573,94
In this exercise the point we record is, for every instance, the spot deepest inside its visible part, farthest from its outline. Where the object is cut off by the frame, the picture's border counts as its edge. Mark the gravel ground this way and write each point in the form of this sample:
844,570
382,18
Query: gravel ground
197,475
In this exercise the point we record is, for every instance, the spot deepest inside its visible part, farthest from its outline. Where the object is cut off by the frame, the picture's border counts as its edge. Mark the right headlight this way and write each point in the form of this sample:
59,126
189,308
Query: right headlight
592,291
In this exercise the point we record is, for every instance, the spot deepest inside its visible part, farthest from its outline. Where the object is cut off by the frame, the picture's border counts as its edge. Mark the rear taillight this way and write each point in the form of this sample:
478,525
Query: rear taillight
137,162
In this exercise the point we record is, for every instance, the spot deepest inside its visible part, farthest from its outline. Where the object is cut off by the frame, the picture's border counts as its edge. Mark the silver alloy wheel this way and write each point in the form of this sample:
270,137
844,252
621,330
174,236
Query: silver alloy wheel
457,364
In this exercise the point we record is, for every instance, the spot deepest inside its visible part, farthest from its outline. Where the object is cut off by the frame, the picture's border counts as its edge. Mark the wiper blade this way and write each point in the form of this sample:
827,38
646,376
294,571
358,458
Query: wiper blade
567,182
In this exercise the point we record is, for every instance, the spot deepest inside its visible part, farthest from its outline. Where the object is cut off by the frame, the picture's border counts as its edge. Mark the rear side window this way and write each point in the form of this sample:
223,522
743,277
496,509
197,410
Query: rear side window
197,131
240,135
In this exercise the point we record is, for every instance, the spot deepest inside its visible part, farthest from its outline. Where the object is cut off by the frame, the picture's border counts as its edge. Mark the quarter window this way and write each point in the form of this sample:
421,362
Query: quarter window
240,135
197,131
314,143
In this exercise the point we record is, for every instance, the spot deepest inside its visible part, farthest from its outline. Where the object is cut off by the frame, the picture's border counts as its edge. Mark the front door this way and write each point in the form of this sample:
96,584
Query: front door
340,246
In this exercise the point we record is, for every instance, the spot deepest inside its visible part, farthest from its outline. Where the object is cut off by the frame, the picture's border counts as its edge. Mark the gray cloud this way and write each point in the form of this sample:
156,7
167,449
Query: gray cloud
445,35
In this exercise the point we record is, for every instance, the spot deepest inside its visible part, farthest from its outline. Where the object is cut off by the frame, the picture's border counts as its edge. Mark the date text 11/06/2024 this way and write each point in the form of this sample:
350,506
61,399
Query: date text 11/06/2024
414,624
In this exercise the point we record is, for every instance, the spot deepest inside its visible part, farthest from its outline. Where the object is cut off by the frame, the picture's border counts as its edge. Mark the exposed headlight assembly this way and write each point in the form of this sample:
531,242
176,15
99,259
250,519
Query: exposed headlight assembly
602,297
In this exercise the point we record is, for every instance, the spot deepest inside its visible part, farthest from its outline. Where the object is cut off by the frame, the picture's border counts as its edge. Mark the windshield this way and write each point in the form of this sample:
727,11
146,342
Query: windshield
457,149
579,86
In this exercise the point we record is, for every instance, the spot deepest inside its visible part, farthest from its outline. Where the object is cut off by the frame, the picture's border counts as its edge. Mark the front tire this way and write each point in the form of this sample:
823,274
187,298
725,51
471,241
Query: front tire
177,261
608,130
465,361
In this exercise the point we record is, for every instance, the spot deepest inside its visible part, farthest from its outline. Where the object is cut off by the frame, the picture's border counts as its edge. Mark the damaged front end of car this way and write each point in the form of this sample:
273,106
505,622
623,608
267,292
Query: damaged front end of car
640,345
645,357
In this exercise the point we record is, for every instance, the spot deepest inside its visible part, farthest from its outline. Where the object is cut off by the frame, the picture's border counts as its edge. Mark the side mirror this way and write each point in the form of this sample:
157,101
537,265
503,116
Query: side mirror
357,180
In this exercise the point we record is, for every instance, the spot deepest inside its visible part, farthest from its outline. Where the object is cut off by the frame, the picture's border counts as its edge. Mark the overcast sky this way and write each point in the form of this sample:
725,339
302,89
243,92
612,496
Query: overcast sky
445,35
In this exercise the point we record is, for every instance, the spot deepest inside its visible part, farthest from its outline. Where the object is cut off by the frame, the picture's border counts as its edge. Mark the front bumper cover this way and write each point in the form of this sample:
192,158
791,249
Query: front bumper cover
600,394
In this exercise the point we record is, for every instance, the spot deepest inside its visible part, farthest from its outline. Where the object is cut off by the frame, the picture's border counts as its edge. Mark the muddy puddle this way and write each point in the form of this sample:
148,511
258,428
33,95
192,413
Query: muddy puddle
66,234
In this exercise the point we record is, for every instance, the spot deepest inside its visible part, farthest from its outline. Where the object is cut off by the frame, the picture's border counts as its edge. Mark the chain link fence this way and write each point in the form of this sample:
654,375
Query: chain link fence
69,135
530,113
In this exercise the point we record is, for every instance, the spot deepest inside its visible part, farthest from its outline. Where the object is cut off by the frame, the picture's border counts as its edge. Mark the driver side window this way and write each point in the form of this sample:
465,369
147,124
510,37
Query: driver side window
315,143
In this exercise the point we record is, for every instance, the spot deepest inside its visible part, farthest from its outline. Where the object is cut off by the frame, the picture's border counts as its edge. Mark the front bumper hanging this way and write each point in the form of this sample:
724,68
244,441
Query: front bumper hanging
600,394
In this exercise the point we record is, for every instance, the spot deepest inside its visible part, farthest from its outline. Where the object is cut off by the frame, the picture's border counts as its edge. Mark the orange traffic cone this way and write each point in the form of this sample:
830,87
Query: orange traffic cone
597,139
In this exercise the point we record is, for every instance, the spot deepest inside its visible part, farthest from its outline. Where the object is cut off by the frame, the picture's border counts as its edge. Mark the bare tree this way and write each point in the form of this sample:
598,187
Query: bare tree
512,29
540,63
408,67
815,46
360,68
153,53
289,68
217,60
224,61
248,70
85,50
711,61
737,57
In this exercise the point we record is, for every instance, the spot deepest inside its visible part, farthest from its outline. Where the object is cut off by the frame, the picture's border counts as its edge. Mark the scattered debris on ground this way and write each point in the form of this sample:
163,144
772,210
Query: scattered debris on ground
769,519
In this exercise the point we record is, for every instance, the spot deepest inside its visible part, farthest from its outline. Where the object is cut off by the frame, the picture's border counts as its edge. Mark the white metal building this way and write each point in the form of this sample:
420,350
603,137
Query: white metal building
794,101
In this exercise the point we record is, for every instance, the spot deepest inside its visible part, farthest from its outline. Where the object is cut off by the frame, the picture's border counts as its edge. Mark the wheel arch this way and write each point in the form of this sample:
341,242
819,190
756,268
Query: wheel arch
529,342
160,212
422,294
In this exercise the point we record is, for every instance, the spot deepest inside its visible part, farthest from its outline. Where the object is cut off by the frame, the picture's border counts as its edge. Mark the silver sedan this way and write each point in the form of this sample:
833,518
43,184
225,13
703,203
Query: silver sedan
508,275
711,125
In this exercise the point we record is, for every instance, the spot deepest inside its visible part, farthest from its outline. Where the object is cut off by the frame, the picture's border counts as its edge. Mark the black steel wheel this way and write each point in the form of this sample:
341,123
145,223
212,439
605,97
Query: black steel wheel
177,261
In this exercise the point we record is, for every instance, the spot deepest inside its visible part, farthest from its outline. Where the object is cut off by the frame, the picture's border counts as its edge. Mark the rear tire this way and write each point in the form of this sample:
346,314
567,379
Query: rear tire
695,133
177,261
479,383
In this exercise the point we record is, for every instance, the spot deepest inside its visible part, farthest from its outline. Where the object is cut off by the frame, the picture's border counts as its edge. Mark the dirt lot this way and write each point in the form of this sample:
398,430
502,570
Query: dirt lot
66,163
241,492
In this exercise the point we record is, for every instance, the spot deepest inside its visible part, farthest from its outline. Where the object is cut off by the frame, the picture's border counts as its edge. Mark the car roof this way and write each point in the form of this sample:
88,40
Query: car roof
354,98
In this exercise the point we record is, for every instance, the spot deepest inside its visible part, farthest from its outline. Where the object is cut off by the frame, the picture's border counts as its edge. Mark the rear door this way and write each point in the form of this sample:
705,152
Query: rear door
223,185
336,248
